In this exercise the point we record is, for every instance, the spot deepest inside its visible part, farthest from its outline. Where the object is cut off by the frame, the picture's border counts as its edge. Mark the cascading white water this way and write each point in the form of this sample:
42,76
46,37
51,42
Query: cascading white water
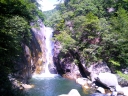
47,32
49,48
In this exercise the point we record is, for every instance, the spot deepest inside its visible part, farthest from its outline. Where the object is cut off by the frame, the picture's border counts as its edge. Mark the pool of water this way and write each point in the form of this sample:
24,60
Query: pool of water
53,86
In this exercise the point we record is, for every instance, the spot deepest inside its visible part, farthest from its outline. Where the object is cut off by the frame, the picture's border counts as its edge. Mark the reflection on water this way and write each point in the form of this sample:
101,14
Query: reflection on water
53,86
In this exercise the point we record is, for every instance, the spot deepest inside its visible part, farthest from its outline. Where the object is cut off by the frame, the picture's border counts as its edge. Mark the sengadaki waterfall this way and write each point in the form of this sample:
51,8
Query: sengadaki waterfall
49,48
47,32
47,84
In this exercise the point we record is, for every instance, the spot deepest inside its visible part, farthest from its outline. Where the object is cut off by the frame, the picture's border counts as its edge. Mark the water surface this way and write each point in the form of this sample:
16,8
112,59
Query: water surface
53,86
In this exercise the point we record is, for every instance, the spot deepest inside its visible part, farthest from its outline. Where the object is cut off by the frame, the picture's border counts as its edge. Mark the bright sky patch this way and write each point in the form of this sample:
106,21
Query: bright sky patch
47,4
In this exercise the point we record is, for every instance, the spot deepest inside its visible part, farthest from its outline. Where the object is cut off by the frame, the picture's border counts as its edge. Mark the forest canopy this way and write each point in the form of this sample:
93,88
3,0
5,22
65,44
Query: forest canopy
15,18
96,30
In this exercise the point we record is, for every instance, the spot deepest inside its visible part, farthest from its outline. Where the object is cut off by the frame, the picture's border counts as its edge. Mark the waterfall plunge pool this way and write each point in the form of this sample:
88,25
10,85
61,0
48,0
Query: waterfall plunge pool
47,84
53,86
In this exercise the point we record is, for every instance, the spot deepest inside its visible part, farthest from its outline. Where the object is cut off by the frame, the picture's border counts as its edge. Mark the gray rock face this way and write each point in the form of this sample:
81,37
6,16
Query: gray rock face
64,62
56,59
99,67
33,59
109,79
95,69
23,66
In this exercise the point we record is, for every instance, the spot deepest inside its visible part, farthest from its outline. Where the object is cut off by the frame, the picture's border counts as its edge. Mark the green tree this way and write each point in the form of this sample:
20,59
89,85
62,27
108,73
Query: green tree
15,19
98,29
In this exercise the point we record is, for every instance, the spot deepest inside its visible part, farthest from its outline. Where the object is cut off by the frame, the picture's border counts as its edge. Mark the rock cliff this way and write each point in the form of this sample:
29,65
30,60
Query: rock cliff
65,62
33,58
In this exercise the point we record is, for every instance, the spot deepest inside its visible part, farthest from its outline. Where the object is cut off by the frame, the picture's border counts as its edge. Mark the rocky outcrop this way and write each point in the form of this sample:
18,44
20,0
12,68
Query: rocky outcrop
34,57
108,79
23,66
99,67
66,64
104,84
38,47
56,59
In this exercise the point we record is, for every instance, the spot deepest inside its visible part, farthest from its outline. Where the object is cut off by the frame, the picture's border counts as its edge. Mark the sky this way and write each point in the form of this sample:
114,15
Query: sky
47,4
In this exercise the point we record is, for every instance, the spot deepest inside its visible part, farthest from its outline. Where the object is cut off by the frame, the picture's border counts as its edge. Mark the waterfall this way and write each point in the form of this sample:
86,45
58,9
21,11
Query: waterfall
49,45
49,48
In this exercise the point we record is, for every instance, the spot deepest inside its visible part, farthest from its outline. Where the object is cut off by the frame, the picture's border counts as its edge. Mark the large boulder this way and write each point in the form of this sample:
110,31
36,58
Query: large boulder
71,76
96,68
82,81
101,90
73,92
108,79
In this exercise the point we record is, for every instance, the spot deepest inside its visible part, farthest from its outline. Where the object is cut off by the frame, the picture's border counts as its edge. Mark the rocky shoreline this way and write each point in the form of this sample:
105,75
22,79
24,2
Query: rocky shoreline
101,81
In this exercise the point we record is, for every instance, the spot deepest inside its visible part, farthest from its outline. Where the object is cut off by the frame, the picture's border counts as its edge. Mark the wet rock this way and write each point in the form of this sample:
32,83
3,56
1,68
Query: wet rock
82,81
70,76
85,87
74,92
101,90
26,86
53,70
89,83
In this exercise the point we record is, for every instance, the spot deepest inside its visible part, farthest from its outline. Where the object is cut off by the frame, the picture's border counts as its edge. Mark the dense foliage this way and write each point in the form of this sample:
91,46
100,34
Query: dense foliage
15,18
94,30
